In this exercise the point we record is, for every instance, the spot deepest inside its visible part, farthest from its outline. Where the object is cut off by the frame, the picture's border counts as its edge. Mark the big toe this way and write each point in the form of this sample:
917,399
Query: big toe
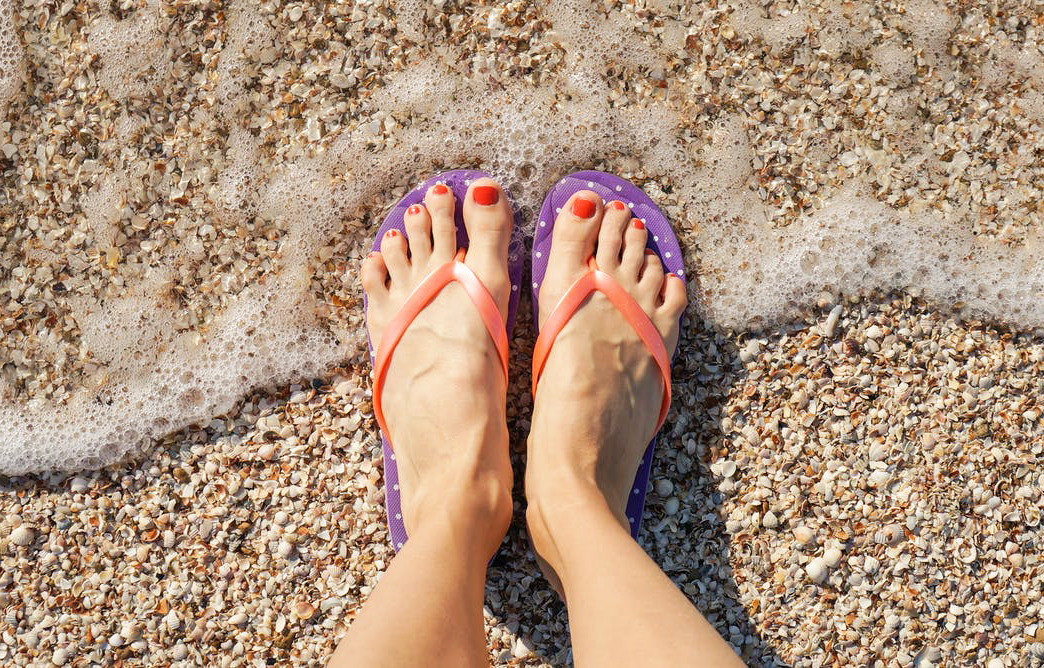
575,233
489,221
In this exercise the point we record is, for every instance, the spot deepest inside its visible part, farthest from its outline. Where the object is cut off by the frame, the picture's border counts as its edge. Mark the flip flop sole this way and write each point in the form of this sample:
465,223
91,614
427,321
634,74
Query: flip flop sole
662,241
457,181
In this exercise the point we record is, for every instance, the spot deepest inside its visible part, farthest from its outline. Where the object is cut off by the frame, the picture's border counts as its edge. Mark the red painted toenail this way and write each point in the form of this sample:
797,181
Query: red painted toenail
392,233
440,189
413,210
372,254
672,274
618,205
584,208
638,224
649,251
485,195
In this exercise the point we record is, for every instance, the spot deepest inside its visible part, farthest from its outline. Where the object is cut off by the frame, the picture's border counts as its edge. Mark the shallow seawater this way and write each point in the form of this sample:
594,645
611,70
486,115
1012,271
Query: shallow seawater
187,188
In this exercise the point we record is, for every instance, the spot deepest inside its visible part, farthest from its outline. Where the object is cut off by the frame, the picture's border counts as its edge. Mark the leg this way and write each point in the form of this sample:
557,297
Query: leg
454,471
427,609
594,414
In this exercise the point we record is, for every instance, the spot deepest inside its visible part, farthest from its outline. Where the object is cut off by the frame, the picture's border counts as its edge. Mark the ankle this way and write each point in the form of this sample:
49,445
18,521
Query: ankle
554,513
473,506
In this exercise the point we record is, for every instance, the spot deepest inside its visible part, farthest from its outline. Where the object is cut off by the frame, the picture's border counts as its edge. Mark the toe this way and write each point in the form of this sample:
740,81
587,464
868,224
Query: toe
650,282
393,248
633,255
440,204
576,229
418,228
374,274
674,297
610,236
489,220
666,316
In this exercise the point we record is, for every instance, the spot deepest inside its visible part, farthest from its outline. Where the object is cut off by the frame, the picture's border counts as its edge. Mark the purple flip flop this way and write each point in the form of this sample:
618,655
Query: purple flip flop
661,241
457,181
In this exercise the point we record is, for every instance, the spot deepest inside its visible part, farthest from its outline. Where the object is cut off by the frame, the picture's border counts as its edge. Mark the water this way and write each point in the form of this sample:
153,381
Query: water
202,181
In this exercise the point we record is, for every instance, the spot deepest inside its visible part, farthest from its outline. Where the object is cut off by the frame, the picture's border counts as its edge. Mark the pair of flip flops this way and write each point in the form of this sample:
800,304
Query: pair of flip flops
661,240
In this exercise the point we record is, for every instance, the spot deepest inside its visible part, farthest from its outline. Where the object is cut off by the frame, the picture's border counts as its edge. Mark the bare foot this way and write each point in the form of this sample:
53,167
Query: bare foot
444,393
600,393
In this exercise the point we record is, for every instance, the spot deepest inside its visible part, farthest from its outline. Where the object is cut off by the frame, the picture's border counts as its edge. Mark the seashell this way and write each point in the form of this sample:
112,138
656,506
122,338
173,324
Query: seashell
22,535
304,610
803,534
150,535
967,554
817,570
168,538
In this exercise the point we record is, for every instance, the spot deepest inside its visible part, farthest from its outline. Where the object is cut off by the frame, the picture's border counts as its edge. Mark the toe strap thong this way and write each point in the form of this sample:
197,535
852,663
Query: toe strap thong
597,280
453,271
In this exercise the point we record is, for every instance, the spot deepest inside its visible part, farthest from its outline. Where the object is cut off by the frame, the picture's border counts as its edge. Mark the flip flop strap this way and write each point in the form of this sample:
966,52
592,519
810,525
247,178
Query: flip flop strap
422,295
596,279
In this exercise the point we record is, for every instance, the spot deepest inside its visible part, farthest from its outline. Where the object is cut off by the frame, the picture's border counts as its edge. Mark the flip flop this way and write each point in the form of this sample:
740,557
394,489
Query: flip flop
661,241
455,270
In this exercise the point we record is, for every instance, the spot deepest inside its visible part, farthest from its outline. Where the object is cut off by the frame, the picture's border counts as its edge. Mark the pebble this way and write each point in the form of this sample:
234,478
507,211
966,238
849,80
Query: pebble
664,487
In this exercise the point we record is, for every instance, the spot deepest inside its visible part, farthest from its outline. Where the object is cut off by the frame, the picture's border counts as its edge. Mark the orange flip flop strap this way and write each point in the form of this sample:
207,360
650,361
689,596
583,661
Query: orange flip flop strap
595,279
421,296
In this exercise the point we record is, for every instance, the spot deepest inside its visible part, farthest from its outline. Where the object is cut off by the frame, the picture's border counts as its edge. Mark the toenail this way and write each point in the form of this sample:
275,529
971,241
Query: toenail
413,210
584,208
638,224
372,254
440,189
391,233
649,251
617,204
485,195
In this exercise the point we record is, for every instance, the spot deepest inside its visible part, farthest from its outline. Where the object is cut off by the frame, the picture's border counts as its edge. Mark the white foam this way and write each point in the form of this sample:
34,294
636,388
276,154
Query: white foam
12,55
150,373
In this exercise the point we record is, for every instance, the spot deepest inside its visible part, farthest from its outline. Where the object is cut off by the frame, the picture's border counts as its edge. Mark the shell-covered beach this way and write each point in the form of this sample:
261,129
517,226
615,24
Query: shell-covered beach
851,469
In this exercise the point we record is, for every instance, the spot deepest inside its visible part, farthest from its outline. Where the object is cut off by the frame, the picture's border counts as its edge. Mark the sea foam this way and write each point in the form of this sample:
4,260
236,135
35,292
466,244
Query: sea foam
753,271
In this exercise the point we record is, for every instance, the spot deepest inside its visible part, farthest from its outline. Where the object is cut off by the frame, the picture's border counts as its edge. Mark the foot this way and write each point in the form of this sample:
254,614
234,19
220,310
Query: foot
599,397
444,392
